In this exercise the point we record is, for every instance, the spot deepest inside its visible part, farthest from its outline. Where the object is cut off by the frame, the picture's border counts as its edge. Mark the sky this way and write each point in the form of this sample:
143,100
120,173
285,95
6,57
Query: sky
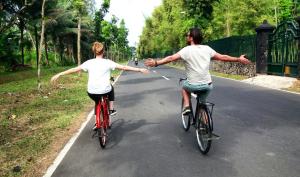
133,12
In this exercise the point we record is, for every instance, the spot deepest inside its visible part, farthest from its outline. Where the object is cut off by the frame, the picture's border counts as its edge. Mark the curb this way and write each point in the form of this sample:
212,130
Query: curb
258,85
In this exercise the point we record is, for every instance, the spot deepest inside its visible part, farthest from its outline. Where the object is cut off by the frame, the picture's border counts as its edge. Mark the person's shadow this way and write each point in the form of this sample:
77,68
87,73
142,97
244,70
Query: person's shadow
120,128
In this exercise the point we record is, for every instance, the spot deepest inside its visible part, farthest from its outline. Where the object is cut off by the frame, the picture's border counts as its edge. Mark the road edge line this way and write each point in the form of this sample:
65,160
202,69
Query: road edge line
67,147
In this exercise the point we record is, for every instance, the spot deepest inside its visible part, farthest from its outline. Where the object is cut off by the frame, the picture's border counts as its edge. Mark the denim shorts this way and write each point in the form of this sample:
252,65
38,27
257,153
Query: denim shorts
204,88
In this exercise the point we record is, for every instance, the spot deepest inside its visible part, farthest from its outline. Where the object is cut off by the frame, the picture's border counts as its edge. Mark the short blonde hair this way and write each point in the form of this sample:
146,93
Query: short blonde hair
98,48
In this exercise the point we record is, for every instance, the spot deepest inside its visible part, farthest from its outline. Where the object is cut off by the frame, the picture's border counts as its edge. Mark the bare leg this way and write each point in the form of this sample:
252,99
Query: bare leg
186,97
111,105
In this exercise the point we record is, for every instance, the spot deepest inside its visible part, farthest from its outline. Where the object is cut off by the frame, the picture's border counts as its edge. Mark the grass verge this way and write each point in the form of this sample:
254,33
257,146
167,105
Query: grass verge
295,87
35,125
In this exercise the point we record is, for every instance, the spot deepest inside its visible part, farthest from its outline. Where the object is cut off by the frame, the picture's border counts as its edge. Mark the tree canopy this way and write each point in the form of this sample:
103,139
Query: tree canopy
164,31
71,26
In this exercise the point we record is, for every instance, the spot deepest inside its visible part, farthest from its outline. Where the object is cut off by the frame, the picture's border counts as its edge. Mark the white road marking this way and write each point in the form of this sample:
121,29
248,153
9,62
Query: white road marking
165,77
154,71
67,147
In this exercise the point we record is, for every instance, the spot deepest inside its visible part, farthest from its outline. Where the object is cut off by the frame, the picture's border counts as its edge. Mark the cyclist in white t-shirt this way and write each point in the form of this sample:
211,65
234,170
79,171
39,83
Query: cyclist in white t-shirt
196,59
99,70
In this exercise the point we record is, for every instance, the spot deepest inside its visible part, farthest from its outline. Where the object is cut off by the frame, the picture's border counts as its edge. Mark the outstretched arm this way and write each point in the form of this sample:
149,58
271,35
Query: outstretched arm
129,68
69,71
151,62
227,58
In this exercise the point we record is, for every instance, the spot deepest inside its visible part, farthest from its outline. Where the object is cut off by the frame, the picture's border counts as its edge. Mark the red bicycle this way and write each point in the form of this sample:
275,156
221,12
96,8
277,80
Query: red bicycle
102,120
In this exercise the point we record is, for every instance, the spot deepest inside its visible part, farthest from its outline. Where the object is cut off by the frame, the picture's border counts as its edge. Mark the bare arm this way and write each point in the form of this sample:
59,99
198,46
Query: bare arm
129,68
227,58
69,71
151,62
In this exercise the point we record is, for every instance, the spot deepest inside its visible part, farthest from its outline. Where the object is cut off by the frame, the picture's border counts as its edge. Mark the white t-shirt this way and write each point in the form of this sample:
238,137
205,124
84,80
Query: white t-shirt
99,75
197,60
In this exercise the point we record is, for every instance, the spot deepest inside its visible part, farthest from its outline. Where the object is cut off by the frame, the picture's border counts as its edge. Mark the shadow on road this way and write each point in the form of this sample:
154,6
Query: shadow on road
121,128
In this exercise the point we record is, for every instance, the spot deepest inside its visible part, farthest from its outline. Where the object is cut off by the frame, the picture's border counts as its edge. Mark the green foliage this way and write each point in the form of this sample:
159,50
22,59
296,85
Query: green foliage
30,121
200,11
239,19
99,17
164,31
61,29
284,9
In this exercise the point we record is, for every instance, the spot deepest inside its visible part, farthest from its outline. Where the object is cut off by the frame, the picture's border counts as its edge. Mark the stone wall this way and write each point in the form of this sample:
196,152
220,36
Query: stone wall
228,67
234,68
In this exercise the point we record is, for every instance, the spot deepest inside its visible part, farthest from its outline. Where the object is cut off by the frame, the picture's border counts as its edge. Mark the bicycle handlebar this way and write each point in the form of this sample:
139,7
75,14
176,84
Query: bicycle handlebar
182,79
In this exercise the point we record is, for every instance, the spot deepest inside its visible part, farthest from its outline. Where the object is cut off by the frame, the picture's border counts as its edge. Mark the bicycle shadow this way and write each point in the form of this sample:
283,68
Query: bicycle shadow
121,128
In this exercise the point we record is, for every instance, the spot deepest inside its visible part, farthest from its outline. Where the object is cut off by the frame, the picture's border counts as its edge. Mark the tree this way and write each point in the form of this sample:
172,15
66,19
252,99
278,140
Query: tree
240,19
285,8
200,11
41,44
80,10
99,15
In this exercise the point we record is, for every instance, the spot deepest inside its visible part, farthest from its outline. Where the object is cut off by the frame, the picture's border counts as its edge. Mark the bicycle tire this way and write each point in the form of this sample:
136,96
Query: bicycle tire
186,119
102,132
203,130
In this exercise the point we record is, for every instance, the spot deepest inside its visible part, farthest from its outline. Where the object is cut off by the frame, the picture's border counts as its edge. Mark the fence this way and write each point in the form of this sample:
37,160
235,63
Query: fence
235,46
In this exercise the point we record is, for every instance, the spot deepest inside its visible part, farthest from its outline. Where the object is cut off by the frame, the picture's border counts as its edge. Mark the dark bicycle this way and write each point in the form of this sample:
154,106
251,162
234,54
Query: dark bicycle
202,121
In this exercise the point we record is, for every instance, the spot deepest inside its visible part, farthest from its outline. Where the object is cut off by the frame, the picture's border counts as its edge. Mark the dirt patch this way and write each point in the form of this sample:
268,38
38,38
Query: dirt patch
295,87
61,138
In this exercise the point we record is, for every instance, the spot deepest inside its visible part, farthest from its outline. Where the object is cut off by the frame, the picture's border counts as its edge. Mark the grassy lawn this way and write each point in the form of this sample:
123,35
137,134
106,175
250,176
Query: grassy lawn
34,125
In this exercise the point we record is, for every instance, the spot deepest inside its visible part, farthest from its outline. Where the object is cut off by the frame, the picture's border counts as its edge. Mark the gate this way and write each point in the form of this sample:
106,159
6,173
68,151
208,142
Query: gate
283,49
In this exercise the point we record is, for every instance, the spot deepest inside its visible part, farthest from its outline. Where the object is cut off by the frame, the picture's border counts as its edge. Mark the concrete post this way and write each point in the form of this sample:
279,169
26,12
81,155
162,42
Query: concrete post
262,37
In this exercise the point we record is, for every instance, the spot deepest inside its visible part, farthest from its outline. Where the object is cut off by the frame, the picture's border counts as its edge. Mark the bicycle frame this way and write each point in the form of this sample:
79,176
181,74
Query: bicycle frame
199,104
102,108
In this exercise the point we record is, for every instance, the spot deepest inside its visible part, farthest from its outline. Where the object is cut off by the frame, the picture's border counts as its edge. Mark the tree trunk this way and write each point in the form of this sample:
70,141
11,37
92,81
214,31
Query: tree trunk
55,52
22,41
41,45
30,37
78,41
36,45
46,51
61,50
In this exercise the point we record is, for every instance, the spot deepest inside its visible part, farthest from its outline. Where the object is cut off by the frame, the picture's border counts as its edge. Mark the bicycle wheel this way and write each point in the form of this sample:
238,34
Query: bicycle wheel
102,132
186,119
203,130
102,136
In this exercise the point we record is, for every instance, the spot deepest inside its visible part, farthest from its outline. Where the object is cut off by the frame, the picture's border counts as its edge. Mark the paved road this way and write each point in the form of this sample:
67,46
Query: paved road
259,129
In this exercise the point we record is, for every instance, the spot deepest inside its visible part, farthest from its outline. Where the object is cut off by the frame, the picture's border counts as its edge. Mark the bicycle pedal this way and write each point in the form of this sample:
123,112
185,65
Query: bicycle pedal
215,136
